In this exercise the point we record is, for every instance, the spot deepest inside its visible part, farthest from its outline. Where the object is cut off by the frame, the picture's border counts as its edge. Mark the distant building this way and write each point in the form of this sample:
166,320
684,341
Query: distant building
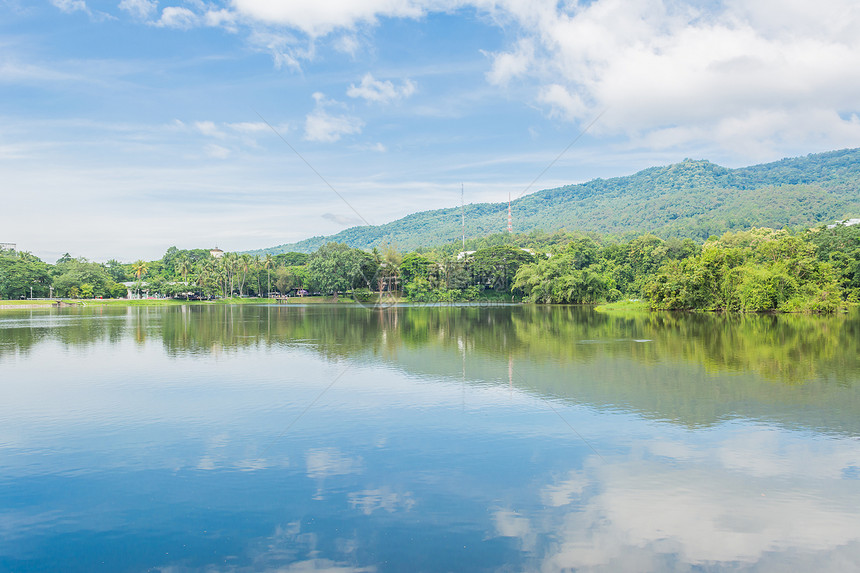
136,290
8,247
216,252
845,223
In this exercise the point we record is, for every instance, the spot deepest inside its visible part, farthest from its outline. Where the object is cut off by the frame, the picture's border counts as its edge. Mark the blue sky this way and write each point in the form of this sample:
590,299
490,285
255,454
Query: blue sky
128,126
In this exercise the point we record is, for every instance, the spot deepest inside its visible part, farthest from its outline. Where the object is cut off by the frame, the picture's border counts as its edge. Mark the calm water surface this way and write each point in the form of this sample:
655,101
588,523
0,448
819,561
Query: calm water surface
257,438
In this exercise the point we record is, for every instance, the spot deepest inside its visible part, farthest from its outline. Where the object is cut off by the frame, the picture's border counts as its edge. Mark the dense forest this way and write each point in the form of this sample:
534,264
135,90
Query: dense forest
761,269
694,199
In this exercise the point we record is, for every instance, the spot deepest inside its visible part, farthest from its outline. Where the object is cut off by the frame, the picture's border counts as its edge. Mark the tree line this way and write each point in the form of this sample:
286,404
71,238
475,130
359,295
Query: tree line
816,270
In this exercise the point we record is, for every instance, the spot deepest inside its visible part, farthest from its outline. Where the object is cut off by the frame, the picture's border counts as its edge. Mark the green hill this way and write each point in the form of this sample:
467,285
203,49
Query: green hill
694,198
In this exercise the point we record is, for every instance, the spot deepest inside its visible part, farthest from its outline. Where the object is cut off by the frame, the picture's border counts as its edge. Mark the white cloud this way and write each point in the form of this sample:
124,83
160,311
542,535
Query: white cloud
348,44
322,16
672,72
286,50
178,17
562,102
251,127
217,151
221,18
509,65
324,127
209,128
69,6
656,65
377,91
143,9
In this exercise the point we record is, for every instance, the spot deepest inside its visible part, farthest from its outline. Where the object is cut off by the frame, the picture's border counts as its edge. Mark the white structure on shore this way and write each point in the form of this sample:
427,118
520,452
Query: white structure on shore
845,223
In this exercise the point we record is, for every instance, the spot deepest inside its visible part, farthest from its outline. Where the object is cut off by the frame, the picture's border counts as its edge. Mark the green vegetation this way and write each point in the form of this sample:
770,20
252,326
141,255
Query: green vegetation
714,239
759,270
694,199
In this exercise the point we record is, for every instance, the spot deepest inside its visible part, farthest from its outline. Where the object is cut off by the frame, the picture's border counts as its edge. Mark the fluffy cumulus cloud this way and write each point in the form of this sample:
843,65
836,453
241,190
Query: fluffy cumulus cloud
178,17
668,73
325,127
378,91
727,70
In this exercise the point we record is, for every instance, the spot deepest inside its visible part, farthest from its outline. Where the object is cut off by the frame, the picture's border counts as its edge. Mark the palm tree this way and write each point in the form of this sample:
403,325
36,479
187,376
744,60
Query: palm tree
244,263
269,262
185,268
257,272
392,265
139,268
230,264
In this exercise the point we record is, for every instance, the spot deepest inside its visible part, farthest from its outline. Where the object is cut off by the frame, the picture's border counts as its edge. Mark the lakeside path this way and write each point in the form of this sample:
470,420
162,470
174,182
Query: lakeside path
54,303
27,304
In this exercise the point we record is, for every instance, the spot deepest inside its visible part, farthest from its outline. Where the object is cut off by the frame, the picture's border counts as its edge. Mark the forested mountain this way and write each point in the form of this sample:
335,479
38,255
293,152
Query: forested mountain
694,198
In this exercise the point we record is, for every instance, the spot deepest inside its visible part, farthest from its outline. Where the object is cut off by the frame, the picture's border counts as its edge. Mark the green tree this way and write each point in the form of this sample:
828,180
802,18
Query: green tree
139,268
74,273
413,266
268,263
334,268
19,274
291,278
185,267
496,267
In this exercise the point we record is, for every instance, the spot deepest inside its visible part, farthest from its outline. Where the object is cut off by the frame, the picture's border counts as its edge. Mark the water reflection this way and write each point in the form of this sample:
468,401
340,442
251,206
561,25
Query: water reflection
783,348
692,369
448,439
673,508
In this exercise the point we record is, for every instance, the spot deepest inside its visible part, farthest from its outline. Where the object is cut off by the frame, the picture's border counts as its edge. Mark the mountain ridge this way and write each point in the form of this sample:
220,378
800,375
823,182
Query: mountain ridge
692,198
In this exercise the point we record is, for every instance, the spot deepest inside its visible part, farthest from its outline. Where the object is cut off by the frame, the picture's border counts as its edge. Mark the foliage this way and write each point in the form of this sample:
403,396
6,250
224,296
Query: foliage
422,290
334,268
81,278
288,279
693,199
495,267
19,272
415,266
750,271
291,259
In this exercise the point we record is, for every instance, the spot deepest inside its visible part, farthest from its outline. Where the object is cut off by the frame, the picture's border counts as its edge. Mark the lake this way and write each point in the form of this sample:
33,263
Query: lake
459,438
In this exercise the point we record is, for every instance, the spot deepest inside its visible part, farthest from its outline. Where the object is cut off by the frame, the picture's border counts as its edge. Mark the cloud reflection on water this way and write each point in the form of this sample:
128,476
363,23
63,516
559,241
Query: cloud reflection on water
662,508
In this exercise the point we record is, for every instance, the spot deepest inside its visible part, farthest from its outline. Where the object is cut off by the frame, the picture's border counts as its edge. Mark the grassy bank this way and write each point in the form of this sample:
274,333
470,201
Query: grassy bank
624,306
346,299
172,302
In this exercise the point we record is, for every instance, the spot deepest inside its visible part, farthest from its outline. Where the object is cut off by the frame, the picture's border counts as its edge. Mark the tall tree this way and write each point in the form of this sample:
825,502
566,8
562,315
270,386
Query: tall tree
139,268
334,268
268,264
